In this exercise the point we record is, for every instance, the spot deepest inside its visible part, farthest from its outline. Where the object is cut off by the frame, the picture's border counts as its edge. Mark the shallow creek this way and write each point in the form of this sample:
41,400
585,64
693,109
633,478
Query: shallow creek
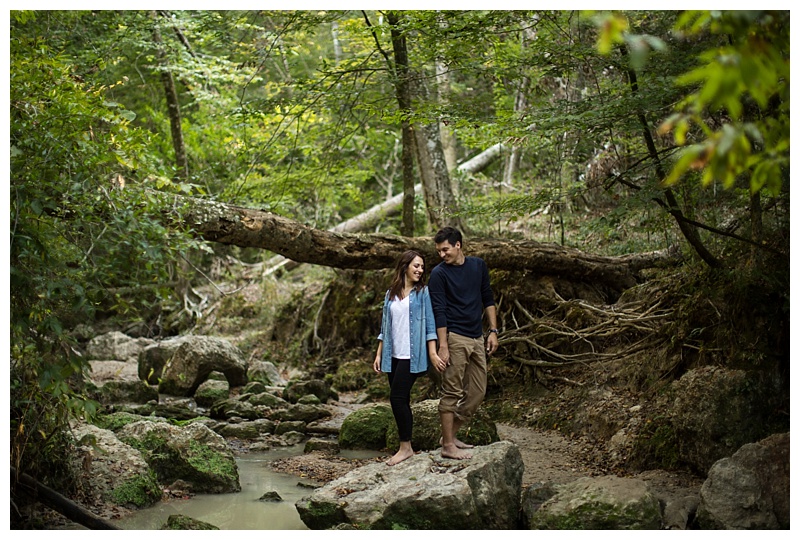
242,510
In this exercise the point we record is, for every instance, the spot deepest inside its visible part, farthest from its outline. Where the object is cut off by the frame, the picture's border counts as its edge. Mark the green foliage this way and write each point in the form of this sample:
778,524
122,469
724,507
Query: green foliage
76,233
746,80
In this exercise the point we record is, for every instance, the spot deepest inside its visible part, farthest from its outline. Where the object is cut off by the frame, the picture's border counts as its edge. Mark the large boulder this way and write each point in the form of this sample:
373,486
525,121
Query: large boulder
192,453
606,502
195,359
427,430
717,410
155,356
425,491
750,489
113,471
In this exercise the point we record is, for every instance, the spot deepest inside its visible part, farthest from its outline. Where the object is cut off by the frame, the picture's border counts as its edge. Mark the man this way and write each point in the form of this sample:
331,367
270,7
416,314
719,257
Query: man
460,292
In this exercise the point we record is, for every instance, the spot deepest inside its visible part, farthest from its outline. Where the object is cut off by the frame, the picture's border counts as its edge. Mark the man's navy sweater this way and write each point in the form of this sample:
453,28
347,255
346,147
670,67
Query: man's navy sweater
459,294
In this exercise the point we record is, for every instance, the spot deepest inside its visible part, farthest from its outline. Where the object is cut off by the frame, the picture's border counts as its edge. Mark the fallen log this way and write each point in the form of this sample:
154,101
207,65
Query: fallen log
64,506
247,227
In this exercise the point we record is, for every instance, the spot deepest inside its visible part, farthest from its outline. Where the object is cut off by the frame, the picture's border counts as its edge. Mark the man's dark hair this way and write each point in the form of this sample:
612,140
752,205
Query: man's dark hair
449,234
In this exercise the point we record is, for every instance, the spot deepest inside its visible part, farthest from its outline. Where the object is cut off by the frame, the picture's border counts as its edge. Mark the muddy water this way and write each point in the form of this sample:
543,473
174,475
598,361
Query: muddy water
237,511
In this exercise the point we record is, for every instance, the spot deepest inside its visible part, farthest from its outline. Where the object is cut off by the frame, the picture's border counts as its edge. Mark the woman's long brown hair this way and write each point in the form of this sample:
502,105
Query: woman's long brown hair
399,280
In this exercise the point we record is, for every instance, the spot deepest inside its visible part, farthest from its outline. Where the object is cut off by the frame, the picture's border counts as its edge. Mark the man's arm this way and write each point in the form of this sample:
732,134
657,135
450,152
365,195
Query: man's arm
491,341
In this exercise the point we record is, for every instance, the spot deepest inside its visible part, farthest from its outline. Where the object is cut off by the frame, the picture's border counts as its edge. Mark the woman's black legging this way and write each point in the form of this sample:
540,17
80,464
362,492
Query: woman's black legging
400,381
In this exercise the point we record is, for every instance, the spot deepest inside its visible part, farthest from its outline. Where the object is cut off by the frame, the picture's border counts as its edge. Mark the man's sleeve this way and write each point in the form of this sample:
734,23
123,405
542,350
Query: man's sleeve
438,300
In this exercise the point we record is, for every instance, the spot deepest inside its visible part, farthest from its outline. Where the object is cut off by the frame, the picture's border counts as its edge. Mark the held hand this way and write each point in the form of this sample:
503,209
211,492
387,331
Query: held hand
491,343
444,354
376,365
439,364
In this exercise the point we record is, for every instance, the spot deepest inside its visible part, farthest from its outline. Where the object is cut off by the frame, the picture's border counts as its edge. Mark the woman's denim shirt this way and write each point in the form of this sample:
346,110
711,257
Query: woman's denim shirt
422,329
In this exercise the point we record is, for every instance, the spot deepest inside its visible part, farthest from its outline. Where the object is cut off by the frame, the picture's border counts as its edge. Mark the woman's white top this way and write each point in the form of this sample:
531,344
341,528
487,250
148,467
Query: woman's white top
401,336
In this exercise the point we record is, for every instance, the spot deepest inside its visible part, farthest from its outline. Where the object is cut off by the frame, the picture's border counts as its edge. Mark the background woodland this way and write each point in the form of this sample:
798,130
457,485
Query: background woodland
571,145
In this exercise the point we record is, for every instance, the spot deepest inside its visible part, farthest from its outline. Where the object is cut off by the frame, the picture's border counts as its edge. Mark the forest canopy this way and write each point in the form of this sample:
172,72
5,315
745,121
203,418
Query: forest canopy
608,133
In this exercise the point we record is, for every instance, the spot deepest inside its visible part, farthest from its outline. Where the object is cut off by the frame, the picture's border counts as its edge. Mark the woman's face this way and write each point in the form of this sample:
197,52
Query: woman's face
415,269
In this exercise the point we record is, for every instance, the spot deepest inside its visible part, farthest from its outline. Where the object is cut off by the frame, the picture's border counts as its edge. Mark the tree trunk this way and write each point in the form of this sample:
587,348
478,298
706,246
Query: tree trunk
688,229
173,107
439,199
403,93
247,227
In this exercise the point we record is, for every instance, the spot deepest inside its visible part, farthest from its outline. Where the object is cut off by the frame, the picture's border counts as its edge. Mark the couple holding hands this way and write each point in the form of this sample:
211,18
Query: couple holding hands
449,311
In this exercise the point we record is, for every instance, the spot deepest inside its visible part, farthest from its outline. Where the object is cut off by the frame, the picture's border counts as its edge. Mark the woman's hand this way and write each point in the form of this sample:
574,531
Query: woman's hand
376,365
438,363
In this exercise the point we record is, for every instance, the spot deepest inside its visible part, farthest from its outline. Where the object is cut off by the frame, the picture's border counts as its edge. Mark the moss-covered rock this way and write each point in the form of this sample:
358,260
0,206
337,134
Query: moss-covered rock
140,491
320,388
427,431
605,503
366,427
178,522
192,453
211,391
117,420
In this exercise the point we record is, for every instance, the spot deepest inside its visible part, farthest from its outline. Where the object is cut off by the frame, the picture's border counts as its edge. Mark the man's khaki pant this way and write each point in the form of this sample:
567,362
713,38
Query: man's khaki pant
464,380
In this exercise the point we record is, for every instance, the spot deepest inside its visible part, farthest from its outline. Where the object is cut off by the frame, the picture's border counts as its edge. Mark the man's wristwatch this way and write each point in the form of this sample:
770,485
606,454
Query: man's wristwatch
495,331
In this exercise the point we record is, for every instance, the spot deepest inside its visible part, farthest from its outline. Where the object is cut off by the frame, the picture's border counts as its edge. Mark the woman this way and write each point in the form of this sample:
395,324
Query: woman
407,342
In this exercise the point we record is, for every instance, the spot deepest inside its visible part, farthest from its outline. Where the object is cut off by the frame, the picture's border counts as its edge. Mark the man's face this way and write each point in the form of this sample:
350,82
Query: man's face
448,252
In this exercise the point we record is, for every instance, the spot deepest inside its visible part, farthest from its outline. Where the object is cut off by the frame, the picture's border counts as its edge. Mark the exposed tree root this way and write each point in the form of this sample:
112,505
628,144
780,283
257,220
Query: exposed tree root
578,332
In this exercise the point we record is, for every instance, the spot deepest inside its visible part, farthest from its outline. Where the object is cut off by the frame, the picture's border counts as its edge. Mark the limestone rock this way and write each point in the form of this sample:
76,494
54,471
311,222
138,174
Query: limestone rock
749,490
195,359
193,453
606,502
425,491
716,410
113,471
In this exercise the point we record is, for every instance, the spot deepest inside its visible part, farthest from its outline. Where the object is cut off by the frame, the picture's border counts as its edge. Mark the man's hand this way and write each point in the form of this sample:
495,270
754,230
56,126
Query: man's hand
491,343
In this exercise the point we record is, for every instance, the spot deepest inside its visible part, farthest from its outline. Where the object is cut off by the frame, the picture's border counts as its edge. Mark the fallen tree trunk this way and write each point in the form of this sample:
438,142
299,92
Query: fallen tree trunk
247,227
60,504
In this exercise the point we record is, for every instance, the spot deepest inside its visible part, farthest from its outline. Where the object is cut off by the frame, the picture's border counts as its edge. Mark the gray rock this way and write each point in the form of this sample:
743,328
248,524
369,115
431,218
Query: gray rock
297,389
321,445
155,356
264,372
749,490
716,410
211,391
125,391
425,491
606,502
117,472
290,425
195,359
193,453
116,346
304,413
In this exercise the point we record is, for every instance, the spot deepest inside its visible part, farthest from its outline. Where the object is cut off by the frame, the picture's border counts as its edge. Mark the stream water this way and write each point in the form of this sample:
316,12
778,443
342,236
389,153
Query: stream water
242,510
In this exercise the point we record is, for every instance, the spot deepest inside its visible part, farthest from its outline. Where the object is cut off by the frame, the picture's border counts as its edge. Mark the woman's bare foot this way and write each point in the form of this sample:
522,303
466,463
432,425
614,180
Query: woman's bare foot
403,454
451,451
460,444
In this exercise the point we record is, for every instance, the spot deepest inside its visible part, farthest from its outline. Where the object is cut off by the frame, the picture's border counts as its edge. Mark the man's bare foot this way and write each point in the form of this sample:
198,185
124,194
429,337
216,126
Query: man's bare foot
401,455
451,451
460,444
